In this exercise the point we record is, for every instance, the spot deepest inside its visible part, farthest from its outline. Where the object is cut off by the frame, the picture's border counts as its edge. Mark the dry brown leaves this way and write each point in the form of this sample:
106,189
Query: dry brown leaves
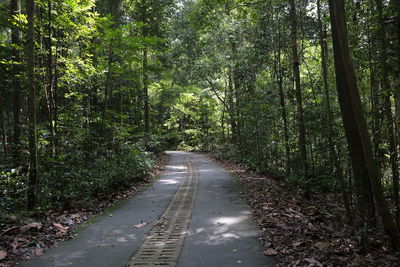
307,233
32,237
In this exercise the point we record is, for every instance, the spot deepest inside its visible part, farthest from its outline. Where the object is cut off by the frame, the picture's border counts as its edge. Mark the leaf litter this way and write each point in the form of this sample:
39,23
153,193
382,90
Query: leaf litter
313,232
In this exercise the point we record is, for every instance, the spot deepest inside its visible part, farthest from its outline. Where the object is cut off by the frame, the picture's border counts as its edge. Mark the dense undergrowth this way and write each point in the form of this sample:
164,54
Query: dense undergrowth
23,237
315,181
76,179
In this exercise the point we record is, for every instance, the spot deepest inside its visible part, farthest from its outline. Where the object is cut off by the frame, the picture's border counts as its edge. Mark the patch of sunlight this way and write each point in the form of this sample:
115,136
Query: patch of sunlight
220,230
230,236
199,230
132,237
168,181
203,170
229,220
122,239
181,167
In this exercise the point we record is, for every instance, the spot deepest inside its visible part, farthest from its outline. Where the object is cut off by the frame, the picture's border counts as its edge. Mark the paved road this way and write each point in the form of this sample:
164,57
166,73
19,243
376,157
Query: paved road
220,231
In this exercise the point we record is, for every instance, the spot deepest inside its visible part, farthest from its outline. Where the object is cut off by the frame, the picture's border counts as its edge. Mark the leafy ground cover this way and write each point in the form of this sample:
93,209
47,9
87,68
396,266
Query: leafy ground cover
22,239
310,232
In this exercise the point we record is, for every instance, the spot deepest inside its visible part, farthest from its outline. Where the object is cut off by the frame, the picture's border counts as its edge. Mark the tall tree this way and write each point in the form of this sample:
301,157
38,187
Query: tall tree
387,93
329,118
145,83
31,91
282,99
15,8
365,169
298,92
50,92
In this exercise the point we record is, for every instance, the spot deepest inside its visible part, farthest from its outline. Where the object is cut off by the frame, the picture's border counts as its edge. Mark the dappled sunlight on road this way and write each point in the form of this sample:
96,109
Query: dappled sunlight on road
108,241
206,171
176,169
228,220
168,181
222,229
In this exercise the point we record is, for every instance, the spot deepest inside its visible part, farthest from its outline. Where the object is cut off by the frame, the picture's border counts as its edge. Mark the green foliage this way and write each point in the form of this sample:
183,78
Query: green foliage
77,178
12,192
226,151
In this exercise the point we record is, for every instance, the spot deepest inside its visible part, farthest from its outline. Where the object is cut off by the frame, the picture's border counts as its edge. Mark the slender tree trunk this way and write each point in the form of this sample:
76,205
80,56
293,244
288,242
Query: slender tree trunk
388,108
299,101
397,104
104,131
3,127
55,95
365,169
146,93
236,99
282,102
375,109
231,108
397,6
397,82
329,121
31,90
15,6
50,83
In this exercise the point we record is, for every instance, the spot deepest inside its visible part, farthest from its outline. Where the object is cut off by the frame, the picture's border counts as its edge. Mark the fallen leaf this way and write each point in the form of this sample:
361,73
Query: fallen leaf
9,230
60,234
68,222
322,245
313,262
39,252
75,216
296,244
3,254
271,252
18,241
30,226
61,227
15,247
267,244
140,225
312,210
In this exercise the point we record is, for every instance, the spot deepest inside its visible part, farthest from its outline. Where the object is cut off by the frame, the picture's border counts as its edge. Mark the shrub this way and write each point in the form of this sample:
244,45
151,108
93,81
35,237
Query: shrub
77,178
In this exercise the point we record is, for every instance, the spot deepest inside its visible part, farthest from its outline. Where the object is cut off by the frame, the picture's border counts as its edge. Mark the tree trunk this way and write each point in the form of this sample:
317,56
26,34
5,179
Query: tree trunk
3,127
397,82
282,102
387,93
146,94
31,90
375,110
365,169
15,7
299,101
329,121
50,84
231,108
104,131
